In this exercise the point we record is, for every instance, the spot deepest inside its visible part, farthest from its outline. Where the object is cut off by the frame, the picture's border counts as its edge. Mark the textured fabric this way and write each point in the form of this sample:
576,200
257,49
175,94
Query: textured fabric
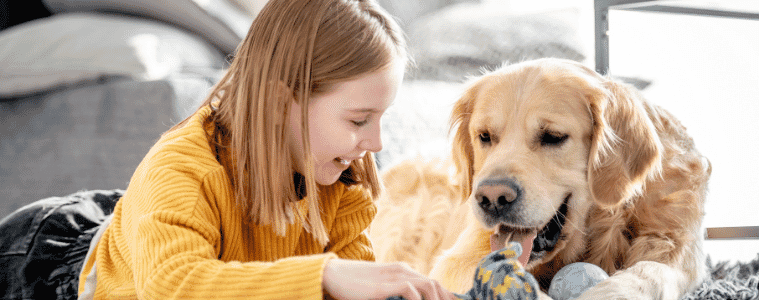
729,281
91,136
178,234
42,245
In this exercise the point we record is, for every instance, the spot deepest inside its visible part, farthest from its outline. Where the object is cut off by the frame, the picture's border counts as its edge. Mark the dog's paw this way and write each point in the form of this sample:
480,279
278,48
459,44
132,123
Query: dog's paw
610,290
645,280
544,296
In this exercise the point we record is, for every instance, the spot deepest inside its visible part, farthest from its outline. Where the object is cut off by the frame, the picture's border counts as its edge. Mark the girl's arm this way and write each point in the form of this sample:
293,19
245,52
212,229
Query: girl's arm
354,212
178,262
168,241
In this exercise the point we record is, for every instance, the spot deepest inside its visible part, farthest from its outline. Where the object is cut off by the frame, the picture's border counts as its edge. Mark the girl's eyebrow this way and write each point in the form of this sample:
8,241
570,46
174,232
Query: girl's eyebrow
364,110
369,109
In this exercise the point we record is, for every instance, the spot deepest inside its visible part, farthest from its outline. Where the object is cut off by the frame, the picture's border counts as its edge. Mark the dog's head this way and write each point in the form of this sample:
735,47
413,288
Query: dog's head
536,144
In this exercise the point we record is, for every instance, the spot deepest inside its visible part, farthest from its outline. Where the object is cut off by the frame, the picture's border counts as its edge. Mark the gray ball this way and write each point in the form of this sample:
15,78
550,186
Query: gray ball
574,279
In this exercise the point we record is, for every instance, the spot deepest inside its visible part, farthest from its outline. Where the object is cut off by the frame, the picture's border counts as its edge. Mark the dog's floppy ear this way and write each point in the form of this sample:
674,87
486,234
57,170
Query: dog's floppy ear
462,151
625,148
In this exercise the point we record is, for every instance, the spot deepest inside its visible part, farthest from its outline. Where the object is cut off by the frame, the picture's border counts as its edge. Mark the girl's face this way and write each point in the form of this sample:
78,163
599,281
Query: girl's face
344,122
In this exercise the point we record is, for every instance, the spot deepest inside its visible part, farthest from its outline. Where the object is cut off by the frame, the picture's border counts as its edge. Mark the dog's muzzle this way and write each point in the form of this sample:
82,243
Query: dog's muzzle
496,197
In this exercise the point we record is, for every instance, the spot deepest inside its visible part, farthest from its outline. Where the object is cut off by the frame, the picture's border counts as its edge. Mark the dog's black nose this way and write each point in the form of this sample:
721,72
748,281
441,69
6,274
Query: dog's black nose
497,195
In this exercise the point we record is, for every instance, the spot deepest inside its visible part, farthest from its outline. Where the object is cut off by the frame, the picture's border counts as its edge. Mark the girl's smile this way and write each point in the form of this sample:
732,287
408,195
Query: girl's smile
344,122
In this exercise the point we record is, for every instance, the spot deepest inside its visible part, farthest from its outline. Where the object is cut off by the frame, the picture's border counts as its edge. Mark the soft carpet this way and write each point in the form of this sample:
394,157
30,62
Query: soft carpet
733,281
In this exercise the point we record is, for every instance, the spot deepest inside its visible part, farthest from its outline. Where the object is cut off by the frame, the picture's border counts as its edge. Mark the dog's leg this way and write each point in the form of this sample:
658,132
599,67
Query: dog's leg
543,296
455,268
665,260
645,280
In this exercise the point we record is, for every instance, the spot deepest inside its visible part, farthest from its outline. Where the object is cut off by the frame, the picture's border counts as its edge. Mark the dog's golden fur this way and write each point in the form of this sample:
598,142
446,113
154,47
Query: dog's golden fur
418,215
631,180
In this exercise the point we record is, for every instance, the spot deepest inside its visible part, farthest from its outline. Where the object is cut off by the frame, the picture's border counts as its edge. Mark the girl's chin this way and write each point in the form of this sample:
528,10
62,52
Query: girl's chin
329,172
321,180
327,177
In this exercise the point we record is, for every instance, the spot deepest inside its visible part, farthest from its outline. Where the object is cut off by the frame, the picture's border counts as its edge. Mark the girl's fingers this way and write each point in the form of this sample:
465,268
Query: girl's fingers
426,288
410,292
346,279
443,294
432,290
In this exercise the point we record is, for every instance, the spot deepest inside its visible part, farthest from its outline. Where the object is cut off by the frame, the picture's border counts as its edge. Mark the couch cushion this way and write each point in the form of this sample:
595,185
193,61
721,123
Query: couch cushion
72,48
220,22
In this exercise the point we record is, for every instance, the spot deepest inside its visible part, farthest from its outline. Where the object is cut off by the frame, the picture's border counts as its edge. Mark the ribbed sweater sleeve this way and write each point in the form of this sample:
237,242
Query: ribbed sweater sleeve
348,238
176,241
179,262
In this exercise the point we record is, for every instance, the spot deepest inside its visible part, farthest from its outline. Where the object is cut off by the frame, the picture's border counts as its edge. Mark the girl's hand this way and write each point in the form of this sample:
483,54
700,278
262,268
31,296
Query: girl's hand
353,279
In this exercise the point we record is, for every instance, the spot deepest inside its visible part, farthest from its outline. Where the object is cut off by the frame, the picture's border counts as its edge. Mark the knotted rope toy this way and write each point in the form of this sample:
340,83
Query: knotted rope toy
500,276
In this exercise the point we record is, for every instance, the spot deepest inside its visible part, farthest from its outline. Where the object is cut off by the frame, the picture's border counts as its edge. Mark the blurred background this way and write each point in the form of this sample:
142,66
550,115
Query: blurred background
87,86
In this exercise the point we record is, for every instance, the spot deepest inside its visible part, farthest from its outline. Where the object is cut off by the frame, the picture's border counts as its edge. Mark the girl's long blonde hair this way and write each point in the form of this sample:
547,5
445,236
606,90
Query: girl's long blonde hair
293,50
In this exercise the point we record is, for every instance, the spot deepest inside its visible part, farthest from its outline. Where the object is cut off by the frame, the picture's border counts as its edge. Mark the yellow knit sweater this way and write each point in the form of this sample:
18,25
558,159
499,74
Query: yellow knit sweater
177,233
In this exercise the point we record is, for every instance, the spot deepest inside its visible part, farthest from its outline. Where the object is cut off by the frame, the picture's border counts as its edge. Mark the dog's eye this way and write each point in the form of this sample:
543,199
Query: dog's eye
548,138
485,138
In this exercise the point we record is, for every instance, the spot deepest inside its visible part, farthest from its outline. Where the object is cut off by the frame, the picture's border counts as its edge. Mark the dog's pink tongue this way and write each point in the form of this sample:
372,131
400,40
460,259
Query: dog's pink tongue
526,248
499,239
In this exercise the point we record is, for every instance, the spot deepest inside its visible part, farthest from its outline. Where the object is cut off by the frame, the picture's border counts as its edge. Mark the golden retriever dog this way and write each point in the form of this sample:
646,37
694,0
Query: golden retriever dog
574,165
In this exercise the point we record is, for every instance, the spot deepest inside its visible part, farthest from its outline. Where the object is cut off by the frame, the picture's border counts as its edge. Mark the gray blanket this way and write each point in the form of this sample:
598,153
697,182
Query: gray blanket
729,281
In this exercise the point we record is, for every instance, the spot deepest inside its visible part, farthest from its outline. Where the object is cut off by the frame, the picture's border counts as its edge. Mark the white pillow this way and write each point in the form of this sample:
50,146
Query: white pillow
71,48
218,21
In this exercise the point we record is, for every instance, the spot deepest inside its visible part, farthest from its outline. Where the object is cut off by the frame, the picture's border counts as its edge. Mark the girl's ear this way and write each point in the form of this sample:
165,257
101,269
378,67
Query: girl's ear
625,148
462,149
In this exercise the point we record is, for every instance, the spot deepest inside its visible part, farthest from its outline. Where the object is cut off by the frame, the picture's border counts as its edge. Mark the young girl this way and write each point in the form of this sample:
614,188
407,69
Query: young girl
266,191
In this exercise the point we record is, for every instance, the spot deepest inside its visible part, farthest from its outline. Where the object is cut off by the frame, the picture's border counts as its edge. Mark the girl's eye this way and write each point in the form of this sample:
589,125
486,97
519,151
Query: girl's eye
360,123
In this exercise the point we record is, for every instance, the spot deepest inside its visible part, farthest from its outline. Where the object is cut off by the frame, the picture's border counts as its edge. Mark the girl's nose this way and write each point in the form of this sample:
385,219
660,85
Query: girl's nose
372,140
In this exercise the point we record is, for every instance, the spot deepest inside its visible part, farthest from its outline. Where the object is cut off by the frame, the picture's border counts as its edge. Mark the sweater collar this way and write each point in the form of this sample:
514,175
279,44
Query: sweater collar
299,182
